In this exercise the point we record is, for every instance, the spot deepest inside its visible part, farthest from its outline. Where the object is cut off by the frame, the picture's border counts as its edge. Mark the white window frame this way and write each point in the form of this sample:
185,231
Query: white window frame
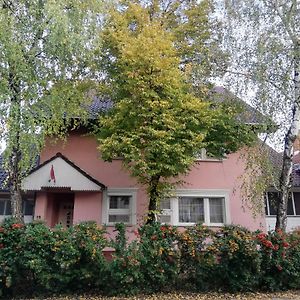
202,156
205,194
131,192
293,204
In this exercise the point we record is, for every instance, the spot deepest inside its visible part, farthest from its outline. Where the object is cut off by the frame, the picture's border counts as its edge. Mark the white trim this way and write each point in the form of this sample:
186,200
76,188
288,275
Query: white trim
132,192
205,194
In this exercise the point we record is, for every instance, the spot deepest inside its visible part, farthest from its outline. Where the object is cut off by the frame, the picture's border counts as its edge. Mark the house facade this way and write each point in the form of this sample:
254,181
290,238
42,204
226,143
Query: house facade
73,184
293,208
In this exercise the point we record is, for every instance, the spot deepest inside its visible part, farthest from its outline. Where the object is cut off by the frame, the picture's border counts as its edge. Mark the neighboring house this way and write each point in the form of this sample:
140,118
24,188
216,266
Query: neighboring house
73,184
293,209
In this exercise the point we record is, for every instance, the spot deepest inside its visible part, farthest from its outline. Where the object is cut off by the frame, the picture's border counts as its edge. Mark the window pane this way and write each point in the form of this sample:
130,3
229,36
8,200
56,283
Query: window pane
191,210
119,202
297,203
266,207
2,205
8,208
164,219
216,210
290,209
28,207
165,204
273,198
118,218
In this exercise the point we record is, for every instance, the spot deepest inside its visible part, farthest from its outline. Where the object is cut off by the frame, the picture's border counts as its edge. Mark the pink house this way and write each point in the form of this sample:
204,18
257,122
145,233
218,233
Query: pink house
73,184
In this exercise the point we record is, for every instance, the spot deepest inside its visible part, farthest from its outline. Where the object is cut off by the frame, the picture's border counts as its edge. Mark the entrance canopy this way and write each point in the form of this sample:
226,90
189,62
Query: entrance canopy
60,173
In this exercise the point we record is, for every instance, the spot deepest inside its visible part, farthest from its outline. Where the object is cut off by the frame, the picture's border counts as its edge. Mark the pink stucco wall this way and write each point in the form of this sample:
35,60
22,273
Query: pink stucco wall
87,207
225,175
40,210
82,150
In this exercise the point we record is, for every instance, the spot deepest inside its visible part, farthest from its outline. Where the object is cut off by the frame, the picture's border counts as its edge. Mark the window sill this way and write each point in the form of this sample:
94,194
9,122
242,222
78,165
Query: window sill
194,224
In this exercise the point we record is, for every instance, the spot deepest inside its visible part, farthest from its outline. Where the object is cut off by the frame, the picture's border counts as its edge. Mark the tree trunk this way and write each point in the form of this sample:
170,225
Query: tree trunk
287,167
16,202
14,149
153,199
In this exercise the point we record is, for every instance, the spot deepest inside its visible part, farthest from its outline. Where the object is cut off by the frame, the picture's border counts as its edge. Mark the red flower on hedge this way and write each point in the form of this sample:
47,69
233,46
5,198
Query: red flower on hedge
136,233
261,236
267,244
285,244
17,226
153,237
1,246
1,229
275,247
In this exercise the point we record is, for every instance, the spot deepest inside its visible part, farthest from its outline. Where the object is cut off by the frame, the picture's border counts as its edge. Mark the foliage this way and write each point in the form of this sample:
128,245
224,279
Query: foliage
262,38
35,259
226,259
239,260
46,50
157,125
198,257
10,235
51,259
159,257
280,263
123,274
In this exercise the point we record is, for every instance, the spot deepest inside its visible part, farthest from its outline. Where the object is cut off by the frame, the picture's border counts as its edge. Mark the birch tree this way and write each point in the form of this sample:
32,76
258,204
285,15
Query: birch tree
45,50
263,38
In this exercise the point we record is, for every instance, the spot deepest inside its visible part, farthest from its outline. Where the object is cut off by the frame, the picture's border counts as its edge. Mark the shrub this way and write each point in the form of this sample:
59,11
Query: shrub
64,259
198,257
38,259
158,256
123,274
239,261
10,258
280,260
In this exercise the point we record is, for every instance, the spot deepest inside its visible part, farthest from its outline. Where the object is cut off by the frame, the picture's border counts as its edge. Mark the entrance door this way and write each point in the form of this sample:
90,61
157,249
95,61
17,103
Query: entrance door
65,210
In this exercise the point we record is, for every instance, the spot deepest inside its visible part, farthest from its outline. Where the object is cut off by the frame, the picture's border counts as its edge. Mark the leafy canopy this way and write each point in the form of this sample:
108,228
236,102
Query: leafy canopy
157,126
45,56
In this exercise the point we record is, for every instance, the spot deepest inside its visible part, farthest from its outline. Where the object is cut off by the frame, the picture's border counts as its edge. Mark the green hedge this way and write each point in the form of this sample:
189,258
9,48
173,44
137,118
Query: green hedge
35,259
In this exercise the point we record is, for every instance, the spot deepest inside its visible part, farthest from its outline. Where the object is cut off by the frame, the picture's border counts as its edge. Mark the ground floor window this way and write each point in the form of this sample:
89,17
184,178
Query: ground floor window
189,208
119,205
293,208
5,207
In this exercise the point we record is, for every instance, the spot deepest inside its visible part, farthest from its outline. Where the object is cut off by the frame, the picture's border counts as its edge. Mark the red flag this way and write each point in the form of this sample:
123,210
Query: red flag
52,174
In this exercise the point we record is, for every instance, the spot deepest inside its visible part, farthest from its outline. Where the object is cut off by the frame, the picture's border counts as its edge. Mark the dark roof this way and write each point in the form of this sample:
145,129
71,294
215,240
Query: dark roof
99,105
3,176
248,114
276,159
58,154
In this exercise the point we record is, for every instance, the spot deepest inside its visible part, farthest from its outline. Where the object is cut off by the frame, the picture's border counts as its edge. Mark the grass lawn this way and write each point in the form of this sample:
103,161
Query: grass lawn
183,296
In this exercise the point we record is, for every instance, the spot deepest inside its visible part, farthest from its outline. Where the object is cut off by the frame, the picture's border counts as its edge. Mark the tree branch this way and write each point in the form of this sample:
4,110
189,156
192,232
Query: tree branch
250,76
